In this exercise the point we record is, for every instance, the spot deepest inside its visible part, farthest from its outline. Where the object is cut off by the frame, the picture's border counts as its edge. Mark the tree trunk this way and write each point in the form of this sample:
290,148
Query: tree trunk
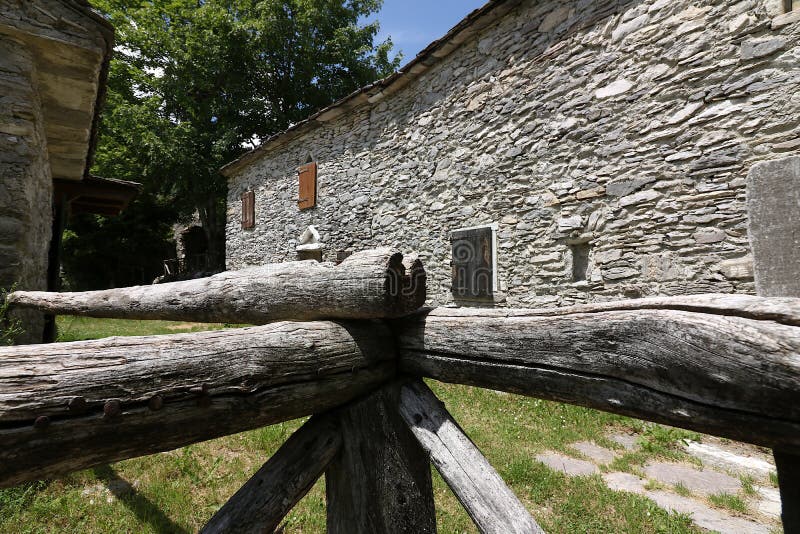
213,222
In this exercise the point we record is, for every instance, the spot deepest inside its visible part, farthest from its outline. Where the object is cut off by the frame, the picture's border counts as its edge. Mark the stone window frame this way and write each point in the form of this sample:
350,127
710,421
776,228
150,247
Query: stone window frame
494,227
580,271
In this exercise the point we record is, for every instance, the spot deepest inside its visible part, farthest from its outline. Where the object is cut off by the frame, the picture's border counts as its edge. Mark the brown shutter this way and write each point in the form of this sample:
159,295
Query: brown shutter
248,209
308,186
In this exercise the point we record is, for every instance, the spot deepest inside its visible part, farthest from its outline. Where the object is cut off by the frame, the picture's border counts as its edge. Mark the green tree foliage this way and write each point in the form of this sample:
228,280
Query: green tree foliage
196,82
10,327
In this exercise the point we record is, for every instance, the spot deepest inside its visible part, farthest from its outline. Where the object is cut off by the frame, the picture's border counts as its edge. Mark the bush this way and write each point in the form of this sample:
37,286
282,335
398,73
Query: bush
10,327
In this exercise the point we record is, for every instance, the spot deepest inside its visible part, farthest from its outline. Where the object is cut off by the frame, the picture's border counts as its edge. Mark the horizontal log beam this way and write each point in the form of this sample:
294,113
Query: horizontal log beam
492,506
262,503
69,406
726,366
373,284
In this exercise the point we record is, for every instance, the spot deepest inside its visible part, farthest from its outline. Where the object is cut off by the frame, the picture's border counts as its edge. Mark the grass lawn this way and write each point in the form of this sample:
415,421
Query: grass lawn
177,491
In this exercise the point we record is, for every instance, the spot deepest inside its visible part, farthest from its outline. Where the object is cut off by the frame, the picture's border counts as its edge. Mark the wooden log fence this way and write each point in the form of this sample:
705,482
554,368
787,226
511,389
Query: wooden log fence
692,362
373,284
69,406
727,365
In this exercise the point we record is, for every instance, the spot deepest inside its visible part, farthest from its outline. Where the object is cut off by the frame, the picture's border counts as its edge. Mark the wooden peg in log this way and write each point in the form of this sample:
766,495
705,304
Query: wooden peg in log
372,284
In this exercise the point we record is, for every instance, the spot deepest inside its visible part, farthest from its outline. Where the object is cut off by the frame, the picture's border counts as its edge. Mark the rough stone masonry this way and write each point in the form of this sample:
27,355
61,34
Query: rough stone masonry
51,52
619,129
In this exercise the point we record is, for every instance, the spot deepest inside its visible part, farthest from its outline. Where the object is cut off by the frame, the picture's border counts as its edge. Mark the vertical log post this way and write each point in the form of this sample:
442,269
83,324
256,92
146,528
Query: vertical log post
262,503
773,205
487,499
380,482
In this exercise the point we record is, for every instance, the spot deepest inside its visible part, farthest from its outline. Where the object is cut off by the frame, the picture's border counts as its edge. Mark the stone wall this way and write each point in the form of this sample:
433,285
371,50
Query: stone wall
26,185
626,126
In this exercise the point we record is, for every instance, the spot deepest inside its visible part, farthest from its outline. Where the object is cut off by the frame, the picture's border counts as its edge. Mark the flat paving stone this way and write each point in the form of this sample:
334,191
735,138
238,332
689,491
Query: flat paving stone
704,516
701,514
618,481
769,502
595,452
703,482
722,457
628,441
567,465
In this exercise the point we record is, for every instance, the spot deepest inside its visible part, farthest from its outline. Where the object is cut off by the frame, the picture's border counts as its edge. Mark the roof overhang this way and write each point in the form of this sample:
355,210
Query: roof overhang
103,196
72,45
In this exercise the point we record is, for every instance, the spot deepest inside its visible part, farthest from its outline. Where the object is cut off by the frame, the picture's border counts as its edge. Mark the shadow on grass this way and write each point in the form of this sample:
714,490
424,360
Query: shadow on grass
145,510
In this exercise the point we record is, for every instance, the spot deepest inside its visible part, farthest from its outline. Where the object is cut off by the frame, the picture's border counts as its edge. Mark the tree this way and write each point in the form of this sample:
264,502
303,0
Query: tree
196,82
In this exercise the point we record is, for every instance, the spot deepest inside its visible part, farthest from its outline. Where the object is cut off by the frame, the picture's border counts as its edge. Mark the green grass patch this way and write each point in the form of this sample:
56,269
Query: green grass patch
682,490
728,501
83,328
748,485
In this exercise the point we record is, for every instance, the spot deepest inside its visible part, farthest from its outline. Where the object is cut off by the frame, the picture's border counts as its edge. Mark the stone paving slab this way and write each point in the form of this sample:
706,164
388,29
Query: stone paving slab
702,515
718,456
619,481
628,441
567,465
703,482
595,452
770,502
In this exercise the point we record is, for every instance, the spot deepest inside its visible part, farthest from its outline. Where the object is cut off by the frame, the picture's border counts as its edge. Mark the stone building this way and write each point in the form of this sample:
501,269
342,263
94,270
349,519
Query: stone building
54,56
600,147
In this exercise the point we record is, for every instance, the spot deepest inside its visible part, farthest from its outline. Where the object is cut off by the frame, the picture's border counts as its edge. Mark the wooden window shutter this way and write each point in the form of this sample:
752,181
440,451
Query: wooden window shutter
248,209
308,186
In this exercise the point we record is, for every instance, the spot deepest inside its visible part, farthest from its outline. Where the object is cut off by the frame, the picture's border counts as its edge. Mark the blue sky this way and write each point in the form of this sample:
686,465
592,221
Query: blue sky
414,24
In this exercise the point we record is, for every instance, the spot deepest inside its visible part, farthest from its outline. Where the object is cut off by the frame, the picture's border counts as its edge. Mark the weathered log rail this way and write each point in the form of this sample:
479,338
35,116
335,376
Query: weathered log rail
723,365
374,284
68,406
720,364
